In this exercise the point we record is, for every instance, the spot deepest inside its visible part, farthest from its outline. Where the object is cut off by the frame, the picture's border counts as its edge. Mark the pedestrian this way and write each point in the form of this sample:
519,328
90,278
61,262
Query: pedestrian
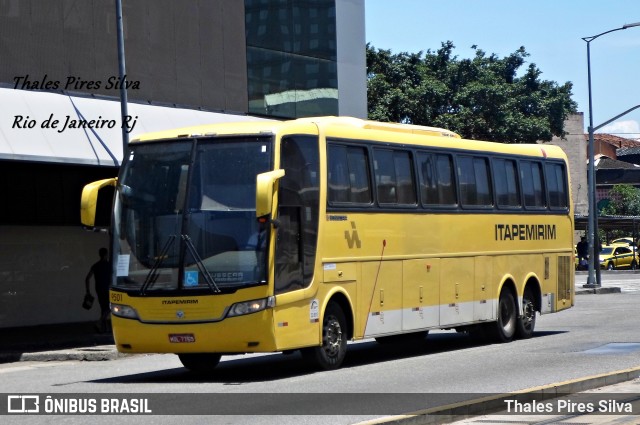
583,252
101,272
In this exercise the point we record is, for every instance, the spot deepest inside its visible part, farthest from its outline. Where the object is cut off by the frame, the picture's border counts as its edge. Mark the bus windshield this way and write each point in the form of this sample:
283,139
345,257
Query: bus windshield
184,217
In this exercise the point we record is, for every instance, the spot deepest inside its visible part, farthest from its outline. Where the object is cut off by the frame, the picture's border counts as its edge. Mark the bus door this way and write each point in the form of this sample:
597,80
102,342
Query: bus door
296,229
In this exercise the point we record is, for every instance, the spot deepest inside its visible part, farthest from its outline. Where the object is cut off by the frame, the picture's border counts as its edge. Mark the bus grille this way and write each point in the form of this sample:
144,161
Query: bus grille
564,277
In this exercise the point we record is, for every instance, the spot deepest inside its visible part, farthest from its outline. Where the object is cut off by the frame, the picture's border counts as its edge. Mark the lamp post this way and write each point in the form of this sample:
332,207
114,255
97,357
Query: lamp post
123,75
594,252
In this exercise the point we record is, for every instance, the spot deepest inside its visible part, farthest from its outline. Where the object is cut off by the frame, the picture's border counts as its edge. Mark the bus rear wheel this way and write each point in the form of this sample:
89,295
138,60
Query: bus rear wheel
505,327
527,322
200,362
331,353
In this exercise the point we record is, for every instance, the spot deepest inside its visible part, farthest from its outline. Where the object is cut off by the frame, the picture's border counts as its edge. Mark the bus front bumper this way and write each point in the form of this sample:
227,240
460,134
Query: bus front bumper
242,334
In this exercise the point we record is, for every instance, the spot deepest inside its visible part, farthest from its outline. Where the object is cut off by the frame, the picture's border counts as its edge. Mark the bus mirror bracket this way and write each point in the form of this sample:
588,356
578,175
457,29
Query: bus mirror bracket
264,191
89,200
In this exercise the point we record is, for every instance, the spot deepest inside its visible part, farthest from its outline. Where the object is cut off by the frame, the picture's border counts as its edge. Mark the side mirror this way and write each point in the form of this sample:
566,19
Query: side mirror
264,191
89,200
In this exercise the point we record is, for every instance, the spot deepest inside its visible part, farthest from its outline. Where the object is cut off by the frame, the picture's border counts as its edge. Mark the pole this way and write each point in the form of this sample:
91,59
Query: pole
593,278
122,74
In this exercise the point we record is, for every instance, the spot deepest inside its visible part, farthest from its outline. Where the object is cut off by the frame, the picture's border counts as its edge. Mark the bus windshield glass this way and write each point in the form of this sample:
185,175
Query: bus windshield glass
184,217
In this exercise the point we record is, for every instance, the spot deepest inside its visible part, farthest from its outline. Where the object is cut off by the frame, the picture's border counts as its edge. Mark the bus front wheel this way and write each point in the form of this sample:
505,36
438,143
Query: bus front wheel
331,353
505,327
200,362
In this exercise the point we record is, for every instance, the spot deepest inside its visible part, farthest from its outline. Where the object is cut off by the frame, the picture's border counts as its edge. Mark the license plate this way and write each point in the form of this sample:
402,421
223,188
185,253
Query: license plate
181,338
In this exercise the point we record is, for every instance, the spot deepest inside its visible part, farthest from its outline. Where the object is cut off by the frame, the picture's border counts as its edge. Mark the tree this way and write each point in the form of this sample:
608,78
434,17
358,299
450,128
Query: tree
625,200
480,98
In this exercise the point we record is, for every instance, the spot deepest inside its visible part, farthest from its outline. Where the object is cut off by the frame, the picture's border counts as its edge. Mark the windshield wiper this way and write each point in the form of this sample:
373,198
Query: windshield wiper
153,273
194,253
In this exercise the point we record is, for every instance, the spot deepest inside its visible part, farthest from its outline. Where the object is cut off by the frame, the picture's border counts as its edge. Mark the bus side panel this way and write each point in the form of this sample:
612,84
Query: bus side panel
381,301
457,279
296,324
484,305
420,294
565,275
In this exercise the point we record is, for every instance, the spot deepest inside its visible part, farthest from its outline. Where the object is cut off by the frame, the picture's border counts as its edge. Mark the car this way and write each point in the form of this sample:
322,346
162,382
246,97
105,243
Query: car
628,241
618,257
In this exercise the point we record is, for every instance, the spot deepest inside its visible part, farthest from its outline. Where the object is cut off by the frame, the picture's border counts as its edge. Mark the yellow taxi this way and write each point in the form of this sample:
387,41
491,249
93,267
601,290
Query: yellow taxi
618,257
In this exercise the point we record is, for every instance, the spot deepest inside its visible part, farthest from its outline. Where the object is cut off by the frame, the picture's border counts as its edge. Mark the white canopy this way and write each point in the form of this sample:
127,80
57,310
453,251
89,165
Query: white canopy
25,135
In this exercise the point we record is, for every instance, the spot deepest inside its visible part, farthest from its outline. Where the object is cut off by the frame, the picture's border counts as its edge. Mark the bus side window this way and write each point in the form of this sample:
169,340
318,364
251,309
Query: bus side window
445,180
474,181
394,177
348,175
532,184
506,181
436,179
556,186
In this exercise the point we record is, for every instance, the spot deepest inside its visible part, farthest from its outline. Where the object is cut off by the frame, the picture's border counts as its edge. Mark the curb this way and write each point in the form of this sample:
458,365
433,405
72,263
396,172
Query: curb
601,290
96,353
495,403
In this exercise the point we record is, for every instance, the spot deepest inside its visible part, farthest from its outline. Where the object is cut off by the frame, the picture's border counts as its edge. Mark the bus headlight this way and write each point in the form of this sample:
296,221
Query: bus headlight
253,306
120,310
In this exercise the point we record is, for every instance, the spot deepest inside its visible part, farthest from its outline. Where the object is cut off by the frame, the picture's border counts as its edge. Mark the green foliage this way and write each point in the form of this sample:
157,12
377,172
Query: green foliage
480,98
625,200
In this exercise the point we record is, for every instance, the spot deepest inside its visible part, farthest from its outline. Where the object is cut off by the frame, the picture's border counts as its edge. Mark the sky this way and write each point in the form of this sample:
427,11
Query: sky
551,32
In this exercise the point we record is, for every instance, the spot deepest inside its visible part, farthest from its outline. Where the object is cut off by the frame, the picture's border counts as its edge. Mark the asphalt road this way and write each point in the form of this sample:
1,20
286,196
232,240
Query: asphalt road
600,334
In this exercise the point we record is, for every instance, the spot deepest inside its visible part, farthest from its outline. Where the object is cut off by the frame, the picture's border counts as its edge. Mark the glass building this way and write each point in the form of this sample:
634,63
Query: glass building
292,66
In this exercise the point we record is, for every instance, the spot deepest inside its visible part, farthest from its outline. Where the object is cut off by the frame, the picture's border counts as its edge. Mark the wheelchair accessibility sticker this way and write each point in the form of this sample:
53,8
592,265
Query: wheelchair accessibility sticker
190,278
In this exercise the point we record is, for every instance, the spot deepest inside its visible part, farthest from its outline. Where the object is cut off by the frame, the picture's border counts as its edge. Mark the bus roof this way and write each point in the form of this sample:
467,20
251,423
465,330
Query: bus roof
348,127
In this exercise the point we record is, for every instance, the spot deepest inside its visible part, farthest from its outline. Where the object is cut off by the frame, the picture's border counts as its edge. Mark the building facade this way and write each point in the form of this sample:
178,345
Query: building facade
189,62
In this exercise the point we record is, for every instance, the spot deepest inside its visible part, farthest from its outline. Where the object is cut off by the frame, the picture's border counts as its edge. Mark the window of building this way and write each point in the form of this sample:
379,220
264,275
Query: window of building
291,57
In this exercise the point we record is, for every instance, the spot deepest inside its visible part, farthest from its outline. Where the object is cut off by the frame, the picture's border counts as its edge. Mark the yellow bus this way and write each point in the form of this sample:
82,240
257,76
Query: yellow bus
304,234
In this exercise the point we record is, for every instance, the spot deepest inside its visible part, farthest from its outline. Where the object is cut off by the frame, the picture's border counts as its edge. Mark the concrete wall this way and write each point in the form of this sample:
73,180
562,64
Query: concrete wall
575,146
352,61
190,52
42,272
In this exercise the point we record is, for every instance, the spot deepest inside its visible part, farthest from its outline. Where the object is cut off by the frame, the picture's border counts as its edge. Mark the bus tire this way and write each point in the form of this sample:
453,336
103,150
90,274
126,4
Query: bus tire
200,362
504,328
331,353
527,322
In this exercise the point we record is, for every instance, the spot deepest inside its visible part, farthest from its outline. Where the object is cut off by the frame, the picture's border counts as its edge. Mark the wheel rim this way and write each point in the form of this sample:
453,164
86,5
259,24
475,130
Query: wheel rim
528,314
332,337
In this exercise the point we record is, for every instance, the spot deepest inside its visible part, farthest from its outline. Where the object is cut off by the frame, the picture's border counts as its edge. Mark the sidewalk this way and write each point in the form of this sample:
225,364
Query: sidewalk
68,341
606,288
